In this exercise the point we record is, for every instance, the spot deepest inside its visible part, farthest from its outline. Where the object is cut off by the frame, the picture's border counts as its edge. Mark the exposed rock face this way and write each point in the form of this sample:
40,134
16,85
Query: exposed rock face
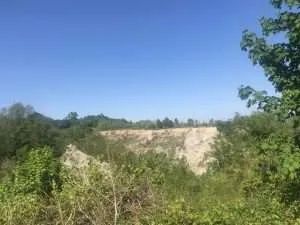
189,143
74,158
79,162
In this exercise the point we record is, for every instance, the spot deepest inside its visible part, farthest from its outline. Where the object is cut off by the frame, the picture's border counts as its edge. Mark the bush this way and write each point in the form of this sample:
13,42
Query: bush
252,180
37,174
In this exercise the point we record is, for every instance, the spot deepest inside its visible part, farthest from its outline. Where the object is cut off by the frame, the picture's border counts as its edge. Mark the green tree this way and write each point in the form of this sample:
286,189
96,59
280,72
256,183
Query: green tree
22,129
176,122
280,60
72,116
159,124
17,111
37,173
167,123
190,122
279,152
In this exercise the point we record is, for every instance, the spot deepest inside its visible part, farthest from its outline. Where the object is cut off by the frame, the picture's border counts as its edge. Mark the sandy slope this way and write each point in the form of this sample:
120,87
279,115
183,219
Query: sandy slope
78,162
190,143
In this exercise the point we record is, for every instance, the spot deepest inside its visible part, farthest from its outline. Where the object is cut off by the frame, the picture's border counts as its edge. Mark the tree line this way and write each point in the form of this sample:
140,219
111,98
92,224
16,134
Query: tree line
22,128
253,176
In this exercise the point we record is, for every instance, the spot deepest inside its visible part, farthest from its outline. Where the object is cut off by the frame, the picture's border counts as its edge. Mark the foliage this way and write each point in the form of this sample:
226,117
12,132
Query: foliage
167,123
151,188
280,61
72,116
253,177
119,194
35,175
21,130
279,152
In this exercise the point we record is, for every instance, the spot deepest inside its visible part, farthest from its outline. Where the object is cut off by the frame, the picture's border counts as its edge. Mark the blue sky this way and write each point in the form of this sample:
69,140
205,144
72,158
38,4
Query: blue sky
137,59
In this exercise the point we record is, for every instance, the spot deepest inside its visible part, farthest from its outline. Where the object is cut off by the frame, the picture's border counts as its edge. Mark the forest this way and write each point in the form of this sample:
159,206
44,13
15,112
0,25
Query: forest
253,179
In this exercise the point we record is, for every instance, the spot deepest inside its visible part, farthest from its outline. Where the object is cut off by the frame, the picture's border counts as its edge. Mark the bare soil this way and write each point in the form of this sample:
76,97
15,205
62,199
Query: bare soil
193,144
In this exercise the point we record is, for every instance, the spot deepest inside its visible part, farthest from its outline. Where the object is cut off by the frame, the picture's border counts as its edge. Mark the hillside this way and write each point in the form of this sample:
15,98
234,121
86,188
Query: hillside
189,143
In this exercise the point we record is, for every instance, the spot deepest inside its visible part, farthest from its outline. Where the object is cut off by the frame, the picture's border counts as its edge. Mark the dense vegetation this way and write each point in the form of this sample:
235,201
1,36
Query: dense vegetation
22,128
253,179
245,184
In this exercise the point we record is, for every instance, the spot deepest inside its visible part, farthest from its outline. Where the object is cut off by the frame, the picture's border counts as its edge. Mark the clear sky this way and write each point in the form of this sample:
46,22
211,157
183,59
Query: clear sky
138,59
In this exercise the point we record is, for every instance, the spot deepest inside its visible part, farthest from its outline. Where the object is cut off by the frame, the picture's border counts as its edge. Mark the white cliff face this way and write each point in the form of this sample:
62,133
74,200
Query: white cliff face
193,144
79,162
74,158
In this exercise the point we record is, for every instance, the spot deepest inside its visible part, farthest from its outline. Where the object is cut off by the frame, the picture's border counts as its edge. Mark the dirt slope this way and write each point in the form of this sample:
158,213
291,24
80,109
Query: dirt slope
78,162
190,143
